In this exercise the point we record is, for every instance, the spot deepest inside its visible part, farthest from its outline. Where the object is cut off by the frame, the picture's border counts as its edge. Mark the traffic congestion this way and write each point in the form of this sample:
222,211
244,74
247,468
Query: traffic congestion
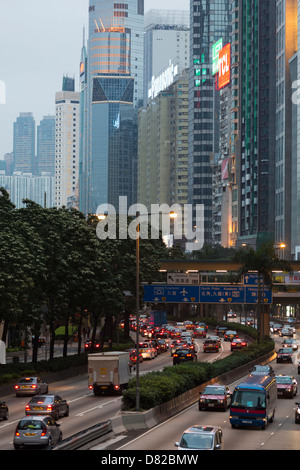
47,409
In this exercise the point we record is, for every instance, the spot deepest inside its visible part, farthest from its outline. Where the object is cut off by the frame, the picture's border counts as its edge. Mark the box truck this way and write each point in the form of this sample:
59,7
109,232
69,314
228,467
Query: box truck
108,372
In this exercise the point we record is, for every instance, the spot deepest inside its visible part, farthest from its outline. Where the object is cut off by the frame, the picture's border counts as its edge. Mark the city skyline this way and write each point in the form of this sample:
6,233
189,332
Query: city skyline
44,47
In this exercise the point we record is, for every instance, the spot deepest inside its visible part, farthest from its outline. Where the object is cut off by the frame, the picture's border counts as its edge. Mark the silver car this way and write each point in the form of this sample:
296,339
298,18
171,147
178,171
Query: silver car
30,386
37,431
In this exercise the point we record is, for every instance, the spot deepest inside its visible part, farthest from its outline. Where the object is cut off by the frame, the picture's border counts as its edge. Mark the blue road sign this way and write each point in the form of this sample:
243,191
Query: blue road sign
222,294
251,295
251,279
217,294
170,294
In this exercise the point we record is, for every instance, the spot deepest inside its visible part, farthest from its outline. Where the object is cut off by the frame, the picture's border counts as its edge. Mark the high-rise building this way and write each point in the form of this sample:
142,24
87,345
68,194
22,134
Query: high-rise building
163,145
111,93
167,39
286,47
46,145
210,22
66,147
24,143
257,85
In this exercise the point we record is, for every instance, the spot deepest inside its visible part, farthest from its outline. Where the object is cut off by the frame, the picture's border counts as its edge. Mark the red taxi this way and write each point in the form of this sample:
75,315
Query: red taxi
284,355
215,397
286,386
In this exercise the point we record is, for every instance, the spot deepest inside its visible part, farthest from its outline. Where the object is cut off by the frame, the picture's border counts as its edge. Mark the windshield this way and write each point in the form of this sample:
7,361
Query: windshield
214,390
196,441
252,399
284,380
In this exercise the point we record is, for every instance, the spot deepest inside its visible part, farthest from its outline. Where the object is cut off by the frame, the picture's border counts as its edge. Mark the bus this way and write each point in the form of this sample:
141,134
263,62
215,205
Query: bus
254,402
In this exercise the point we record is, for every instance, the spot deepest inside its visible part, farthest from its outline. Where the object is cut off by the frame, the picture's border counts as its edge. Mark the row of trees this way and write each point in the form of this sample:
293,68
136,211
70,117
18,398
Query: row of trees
55,270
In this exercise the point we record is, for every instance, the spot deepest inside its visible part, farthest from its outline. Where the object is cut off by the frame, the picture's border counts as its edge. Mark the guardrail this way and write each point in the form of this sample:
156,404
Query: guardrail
87,436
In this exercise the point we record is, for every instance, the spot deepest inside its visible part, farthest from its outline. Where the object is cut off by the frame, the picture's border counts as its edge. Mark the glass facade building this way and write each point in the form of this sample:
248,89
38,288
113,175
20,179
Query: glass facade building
257,52
24,143
210,21
111,74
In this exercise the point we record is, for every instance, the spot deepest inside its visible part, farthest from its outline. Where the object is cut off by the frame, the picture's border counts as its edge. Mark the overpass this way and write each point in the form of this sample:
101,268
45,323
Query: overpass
283,293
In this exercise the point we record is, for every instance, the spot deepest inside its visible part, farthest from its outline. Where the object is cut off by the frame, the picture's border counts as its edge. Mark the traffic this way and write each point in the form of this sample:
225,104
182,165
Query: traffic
170,345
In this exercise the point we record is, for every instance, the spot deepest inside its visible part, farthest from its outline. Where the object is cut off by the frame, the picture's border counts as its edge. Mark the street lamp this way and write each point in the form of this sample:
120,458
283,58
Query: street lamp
173,215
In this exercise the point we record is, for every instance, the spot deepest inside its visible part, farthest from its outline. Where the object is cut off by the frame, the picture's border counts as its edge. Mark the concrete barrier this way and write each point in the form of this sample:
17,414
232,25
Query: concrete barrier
150,418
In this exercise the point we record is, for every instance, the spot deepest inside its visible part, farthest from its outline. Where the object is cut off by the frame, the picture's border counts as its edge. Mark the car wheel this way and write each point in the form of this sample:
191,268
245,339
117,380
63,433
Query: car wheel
67,411
49,445
6,416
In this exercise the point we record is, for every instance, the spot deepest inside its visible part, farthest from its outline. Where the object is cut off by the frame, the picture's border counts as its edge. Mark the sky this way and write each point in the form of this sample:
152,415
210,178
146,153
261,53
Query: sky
40,41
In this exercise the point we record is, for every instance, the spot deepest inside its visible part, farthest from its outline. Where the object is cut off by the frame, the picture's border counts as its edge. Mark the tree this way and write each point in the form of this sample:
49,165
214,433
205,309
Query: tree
263,260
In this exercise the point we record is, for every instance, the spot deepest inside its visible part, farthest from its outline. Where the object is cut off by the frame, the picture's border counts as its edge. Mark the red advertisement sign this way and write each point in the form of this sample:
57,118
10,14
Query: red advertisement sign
224,66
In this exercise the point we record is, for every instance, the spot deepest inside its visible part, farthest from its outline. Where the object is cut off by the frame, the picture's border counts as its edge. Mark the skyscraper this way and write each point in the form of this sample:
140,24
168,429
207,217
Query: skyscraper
111,93
24,143
46,145
257,81
210,22
66,145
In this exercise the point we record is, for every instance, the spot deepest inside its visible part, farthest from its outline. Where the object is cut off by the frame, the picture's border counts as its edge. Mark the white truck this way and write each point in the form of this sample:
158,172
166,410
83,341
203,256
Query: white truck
108,372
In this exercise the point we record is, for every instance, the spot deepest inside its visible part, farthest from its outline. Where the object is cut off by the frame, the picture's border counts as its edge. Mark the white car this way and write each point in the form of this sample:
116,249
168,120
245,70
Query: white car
201,438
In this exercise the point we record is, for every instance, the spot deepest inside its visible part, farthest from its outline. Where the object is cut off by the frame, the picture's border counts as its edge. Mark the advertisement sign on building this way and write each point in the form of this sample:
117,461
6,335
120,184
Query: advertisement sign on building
216,48
224,66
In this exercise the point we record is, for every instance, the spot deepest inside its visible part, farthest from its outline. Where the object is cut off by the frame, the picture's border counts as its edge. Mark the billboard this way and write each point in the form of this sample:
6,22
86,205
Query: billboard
224,66
216,48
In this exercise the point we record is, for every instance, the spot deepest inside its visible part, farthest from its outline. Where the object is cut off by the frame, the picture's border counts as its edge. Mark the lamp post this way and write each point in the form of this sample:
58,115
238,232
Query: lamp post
172,215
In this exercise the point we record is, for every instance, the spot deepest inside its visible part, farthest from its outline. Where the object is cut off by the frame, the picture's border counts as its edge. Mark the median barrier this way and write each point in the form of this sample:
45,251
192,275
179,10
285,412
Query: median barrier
150,418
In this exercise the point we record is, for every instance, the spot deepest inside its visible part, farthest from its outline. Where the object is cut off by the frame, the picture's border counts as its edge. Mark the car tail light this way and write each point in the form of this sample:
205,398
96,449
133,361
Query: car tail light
44,432
16,387
49,408
189,355
90,387
27,407
233,343
17,433
117,387
33,386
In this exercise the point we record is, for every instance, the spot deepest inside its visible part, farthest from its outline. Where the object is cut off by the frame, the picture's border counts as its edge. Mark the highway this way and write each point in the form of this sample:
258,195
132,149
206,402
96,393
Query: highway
87,410
282,434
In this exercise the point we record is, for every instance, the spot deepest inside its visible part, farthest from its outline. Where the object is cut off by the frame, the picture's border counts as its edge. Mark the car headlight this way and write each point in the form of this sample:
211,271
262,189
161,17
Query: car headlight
298,411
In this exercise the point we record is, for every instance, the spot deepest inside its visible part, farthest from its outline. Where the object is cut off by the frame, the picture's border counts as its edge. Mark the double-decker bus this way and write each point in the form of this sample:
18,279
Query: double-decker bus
254,402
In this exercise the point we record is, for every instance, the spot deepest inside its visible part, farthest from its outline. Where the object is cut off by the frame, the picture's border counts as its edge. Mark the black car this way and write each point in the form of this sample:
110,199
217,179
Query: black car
184,355
3,410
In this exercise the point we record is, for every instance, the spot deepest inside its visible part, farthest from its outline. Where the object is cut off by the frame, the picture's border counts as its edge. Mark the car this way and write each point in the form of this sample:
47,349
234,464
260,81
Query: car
287,386
89,347
200,332
220,330
297,413
184,355
133,357
215,397
290,343
231,314
37,431
30,386
229,335
249,321
189,325
275,327
176,345
215,338
211,345
163,345
286,332
201,438
51,405
284,355
3,411
238,343
147,350
262,370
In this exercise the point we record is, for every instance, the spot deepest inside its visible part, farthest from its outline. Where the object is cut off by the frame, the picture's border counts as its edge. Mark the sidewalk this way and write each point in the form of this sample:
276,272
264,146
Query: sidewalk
43,353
